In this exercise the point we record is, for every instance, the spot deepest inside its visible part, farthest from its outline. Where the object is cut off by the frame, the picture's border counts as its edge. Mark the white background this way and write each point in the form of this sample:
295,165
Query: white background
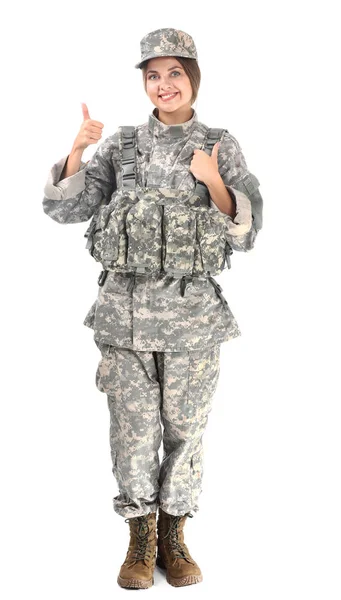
269,519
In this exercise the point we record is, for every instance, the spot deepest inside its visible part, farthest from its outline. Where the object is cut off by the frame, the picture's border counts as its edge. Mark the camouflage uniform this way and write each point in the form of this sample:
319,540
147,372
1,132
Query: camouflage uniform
141,387
160,349
150,313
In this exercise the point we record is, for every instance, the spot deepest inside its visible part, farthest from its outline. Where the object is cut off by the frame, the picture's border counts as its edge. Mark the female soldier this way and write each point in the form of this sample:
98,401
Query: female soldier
159,333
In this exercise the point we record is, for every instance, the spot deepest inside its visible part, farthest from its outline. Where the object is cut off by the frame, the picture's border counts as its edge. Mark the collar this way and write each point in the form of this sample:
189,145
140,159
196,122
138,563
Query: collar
157,128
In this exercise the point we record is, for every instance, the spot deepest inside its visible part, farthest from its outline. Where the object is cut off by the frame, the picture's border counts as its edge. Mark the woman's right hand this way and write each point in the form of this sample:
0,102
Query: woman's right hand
89,133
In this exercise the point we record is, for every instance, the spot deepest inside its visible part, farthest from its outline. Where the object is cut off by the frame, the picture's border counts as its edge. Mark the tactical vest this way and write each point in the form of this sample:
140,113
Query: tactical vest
159,230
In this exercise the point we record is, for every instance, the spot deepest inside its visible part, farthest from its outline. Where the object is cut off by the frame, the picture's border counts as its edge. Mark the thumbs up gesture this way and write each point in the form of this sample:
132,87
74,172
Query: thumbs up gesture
203,166
90,131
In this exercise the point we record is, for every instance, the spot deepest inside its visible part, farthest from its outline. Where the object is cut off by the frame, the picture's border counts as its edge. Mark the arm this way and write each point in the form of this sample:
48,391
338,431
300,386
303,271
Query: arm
221,196
242,187
72,164
77,197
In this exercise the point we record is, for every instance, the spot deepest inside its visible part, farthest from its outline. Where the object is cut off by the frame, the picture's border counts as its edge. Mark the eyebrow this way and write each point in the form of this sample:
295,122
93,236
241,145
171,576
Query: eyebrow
170,68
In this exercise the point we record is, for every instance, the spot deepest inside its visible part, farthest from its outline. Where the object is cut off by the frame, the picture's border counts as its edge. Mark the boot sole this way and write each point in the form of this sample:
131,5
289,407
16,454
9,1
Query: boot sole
178,582
135,583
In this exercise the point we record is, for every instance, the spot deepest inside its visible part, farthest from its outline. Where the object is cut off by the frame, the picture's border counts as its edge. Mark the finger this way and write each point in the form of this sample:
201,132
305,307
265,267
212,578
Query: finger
214,154
85,111
92,128
94,136
96,123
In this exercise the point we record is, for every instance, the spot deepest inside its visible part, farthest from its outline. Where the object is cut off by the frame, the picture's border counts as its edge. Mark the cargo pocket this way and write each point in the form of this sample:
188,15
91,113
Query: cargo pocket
179,229
196,469
143,226
110,236
110,240
114,462
121,214
212,240
90,316
105,236
106,379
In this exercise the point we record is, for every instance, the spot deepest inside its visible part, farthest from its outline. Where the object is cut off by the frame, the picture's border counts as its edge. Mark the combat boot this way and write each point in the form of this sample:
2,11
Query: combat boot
173,554
138,568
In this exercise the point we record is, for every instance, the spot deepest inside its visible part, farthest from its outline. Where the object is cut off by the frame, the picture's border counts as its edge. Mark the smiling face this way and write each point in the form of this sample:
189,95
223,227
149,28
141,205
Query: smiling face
169,87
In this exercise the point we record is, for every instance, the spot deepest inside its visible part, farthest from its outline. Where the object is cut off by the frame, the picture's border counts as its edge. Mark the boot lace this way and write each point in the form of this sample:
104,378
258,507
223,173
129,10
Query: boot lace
178,549
143,550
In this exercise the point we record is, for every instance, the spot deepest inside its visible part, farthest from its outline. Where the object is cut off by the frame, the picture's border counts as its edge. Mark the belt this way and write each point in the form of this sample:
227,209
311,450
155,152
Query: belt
185,280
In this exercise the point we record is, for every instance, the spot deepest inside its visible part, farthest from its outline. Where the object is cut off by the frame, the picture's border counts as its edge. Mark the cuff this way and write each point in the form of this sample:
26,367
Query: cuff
68,187
242,222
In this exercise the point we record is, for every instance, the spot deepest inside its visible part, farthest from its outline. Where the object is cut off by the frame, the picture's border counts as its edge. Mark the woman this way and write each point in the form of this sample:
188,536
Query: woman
159,334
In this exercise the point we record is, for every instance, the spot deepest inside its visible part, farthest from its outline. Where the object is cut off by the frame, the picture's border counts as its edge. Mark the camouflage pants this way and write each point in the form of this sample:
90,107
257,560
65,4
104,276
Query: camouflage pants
148,391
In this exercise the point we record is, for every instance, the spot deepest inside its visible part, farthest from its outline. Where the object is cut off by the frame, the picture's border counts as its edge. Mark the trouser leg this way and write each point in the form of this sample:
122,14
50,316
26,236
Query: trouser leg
189,381
130,380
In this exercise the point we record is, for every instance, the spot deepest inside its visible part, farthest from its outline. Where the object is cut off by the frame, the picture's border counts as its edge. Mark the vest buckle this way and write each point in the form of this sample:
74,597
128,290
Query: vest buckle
102,277
185,279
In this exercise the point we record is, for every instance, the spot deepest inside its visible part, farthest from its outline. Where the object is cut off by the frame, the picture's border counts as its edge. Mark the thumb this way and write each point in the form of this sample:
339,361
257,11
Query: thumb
214,154
85,111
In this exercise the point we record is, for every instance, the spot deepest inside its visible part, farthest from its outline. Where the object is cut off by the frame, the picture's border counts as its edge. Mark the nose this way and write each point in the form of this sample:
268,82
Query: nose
164,85
166,88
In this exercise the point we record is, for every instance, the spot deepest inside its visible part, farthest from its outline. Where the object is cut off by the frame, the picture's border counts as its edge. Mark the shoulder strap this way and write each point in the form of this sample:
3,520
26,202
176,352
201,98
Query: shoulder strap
128,159
213,136
128,156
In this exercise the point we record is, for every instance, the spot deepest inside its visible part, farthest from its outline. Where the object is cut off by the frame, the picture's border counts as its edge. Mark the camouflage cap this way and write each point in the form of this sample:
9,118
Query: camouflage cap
166,42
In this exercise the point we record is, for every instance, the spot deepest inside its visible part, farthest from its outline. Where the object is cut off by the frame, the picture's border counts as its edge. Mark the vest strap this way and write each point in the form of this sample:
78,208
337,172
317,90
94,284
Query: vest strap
128,157
129,161
213,136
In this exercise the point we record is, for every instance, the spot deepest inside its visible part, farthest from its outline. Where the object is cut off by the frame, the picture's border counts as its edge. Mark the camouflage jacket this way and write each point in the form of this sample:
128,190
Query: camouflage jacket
152,314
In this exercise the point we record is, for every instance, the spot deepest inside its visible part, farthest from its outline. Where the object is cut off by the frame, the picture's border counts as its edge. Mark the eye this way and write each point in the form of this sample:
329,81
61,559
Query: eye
153,75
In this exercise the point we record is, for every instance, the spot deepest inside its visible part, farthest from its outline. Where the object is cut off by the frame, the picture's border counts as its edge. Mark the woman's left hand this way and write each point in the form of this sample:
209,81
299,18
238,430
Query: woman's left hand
205,167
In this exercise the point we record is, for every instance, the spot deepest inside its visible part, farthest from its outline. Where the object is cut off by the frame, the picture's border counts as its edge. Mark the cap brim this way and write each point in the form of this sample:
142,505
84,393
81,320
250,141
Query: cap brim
138,65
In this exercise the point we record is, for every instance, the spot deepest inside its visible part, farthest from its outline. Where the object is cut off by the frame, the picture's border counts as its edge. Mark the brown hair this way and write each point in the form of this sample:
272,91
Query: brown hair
191,69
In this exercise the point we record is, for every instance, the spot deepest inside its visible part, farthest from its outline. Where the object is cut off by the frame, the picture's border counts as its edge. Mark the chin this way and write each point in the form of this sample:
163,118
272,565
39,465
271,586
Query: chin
169,108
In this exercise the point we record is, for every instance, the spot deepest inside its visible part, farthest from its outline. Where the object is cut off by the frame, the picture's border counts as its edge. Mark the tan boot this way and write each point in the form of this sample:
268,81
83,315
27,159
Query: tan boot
173,554
138,567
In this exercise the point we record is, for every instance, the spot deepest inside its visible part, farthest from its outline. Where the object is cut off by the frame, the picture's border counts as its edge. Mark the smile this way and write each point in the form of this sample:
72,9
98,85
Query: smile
166,97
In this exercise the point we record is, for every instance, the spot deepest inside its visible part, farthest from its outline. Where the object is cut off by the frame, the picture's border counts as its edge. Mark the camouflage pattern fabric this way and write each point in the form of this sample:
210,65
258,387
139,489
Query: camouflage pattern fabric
149,313
142,388
166,42
153,233
159,335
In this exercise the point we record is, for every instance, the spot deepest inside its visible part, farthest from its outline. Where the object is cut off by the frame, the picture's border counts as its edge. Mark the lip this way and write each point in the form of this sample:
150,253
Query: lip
168,99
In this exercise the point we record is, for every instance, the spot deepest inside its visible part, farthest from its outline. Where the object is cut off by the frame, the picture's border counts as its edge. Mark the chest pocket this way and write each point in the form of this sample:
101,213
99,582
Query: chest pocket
211,227
179,231
110,237
164,229
143,226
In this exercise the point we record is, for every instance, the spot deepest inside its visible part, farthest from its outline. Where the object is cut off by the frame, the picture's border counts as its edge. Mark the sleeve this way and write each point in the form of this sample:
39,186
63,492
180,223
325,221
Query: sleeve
243,188
76,198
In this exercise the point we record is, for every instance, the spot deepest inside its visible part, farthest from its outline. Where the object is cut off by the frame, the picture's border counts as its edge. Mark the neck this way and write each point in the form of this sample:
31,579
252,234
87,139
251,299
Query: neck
177,117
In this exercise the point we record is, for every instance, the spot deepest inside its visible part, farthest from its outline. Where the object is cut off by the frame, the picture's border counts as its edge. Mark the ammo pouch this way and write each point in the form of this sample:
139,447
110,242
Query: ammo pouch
148,230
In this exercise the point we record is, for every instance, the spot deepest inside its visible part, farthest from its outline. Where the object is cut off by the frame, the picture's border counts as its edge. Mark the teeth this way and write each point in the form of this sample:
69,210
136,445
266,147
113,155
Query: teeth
168,95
